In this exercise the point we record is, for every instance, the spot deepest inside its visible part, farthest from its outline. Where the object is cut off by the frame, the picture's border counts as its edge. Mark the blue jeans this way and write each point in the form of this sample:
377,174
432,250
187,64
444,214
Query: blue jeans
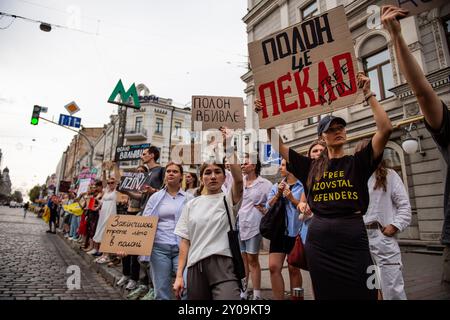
74,224
163,264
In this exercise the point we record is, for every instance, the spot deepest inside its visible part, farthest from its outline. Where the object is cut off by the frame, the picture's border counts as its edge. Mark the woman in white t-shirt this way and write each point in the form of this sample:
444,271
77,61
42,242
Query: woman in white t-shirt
203,227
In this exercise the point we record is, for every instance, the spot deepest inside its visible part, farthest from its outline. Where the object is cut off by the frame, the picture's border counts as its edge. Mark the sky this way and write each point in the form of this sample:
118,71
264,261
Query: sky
177,48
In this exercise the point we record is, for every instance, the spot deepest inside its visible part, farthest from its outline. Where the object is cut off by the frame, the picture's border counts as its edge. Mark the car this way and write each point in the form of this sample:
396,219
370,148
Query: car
14,204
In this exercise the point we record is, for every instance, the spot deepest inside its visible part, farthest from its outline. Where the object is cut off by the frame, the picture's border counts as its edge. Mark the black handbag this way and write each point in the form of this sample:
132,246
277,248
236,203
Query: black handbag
233,239
273,222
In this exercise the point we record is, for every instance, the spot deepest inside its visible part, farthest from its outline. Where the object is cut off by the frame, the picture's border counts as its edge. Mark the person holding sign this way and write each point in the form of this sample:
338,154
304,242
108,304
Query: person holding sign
203,228
167,205
436,113
108,208
338,256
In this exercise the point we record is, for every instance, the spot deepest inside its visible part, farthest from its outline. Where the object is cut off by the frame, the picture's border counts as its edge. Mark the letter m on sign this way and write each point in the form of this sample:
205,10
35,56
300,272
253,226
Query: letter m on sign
125,96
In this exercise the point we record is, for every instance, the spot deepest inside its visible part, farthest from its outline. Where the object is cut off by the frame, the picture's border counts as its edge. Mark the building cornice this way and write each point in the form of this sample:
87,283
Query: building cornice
437,79
259,12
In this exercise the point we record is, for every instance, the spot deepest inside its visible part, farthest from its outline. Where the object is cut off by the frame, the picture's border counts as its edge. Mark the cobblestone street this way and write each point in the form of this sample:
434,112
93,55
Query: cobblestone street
34,263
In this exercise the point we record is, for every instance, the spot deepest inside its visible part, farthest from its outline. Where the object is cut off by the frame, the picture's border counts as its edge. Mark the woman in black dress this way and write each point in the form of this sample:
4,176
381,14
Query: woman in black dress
336,188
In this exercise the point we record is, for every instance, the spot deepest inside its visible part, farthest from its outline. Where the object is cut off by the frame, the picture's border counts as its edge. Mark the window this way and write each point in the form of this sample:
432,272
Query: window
313,120
447,29
177,129
379,69
159,126
138,124
309,11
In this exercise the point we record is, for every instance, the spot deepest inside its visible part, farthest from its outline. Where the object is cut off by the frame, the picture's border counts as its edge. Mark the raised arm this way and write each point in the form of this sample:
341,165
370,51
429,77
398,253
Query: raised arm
384,125
428,100
237,188
282,149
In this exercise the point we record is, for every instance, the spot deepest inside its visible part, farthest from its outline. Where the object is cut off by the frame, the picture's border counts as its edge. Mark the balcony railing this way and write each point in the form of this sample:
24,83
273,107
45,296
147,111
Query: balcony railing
133,134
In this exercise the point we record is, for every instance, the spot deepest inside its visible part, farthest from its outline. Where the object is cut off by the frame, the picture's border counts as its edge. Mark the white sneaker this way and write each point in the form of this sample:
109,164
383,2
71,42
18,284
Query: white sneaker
122,281
131,285
92,252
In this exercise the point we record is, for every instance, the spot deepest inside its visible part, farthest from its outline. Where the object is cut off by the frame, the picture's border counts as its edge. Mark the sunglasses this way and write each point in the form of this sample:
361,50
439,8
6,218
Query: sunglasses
111,182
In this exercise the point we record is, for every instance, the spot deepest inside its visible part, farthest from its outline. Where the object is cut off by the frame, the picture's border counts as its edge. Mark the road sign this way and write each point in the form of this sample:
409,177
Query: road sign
72,107
66,120
44,109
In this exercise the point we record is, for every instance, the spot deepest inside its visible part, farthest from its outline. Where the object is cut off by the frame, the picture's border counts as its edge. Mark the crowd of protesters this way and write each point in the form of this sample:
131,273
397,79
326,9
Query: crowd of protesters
346,208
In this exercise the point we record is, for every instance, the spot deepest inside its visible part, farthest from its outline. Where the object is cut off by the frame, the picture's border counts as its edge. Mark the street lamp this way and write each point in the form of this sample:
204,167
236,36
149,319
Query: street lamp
410,145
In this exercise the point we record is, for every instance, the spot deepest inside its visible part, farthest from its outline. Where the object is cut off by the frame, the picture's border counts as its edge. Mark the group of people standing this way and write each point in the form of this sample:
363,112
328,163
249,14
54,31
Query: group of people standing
346,207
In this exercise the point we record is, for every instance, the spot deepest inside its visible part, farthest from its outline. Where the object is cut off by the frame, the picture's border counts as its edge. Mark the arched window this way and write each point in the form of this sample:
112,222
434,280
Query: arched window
377,65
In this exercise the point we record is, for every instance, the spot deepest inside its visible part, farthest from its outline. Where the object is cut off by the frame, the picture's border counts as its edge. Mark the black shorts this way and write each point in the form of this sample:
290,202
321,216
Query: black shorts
282,244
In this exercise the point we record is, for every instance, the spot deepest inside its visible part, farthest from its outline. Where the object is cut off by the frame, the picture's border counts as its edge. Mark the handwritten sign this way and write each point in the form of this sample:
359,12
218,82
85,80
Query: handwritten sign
214,112
130,234
131,152
132,181
305,70
416,6
83,186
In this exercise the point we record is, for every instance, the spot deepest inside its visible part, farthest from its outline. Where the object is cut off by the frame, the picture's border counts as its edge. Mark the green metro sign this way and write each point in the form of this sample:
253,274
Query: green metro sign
125,96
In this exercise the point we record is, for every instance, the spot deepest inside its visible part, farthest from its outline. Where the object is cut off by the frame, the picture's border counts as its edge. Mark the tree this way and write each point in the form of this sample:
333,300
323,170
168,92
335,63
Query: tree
34,193
17,196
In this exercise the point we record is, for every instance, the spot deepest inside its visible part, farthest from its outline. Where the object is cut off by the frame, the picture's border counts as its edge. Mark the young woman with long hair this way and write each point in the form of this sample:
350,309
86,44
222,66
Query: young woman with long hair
337,247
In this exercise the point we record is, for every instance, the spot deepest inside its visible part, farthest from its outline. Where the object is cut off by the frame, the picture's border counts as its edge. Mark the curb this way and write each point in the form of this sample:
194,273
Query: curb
110,274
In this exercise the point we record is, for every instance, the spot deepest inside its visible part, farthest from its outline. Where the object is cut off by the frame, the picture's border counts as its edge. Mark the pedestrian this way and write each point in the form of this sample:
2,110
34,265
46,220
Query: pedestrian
203,227
191,182
337,247
25,209
167,205
389,212
149,158
53,207
95,195
314,152
288,190
436,113
256,190
130,264
108,208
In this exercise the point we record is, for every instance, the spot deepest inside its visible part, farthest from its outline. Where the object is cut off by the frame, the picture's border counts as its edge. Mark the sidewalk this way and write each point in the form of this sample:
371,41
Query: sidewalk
421,271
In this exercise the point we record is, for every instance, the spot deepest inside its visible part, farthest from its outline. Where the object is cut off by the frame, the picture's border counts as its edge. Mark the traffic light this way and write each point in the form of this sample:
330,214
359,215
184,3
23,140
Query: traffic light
35,115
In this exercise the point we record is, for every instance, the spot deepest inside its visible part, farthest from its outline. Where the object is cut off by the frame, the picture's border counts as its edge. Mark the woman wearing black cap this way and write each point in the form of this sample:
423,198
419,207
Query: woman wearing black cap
336,188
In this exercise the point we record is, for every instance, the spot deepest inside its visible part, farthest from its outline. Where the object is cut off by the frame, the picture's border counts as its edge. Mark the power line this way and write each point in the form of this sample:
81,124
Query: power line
43,24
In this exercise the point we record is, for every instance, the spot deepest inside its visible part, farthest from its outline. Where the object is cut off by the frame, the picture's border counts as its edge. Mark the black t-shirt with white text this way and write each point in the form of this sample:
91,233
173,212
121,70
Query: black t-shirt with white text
342,189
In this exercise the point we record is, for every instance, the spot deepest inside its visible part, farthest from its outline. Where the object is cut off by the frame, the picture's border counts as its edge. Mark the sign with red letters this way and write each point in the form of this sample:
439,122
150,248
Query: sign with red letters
305,70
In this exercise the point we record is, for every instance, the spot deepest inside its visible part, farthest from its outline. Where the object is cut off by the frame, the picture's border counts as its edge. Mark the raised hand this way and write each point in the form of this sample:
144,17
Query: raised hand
363,82
390,16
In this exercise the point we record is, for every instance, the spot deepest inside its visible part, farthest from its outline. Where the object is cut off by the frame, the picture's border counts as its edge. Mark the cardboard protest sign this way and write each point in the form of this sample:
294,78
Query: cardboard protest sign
214,112
305,70
133,235
131,152
132,181
416,6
